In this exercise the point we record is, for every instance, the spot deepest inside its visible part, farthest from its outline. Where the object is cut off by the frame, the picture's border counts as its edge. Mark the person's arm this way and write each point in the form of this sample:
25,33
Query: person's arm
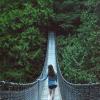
56,77
43,78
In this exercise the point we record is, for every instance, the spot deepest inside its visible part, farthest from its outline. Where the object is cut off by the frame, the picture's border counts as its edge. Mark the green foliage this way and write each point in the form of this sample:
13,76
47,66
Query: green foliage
45,3
17,20
15,75
89,22
68,13
22,23
80,60
21,40
21,51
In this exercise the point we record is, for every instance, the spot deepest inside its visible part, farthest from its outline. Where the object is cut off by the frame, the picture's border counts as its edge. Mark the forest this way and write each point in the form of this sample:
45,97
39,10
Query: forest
24,26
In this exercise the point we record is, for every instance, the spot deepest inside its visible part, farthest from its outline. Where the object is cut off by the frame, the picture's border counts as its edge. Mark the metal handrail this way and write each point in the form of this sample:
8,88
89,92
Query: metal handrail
32,91
71,91
28,91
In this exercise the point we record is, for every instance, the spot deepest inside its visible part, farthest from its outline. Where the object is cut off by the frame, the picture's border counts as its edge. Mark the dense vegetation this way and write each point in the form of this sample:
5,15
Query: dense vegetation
80,60
22,39
23,24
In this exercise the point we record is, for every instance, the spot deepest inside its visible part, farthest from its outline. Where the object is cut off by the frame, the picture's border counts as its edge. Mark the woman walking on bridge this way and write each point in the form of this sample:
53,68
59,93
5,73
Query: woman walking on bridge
52,81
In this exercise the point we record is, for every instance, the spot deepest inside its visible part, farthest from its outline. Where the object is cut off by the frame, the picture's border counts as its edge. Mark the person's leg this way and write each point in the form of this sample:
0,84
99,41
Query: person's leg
50,91
53,93
50,94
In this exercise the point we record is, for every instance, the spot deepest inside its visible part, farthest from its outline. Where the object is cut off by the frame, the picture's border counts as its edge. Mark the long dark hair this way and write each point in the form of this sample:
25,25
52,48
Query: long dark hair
51,71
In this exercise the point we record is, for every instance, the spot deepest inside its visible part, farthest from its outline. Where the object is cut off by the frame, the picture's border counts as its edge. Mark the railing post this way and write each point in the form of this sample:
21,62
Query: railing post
9,97
38,91
0,90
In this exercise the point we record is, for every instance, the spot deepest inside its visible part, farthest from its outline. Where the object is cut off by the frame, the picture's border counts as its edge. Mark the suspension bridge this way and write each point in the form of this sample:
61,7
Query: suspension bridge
38,90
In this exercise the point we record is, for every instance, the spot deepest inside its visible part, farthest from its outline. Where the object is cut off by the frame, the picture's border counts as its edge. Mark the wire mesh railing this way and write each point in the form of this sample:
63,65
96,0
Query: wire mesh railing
32,91
21,92
29,91
15,91
70,91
